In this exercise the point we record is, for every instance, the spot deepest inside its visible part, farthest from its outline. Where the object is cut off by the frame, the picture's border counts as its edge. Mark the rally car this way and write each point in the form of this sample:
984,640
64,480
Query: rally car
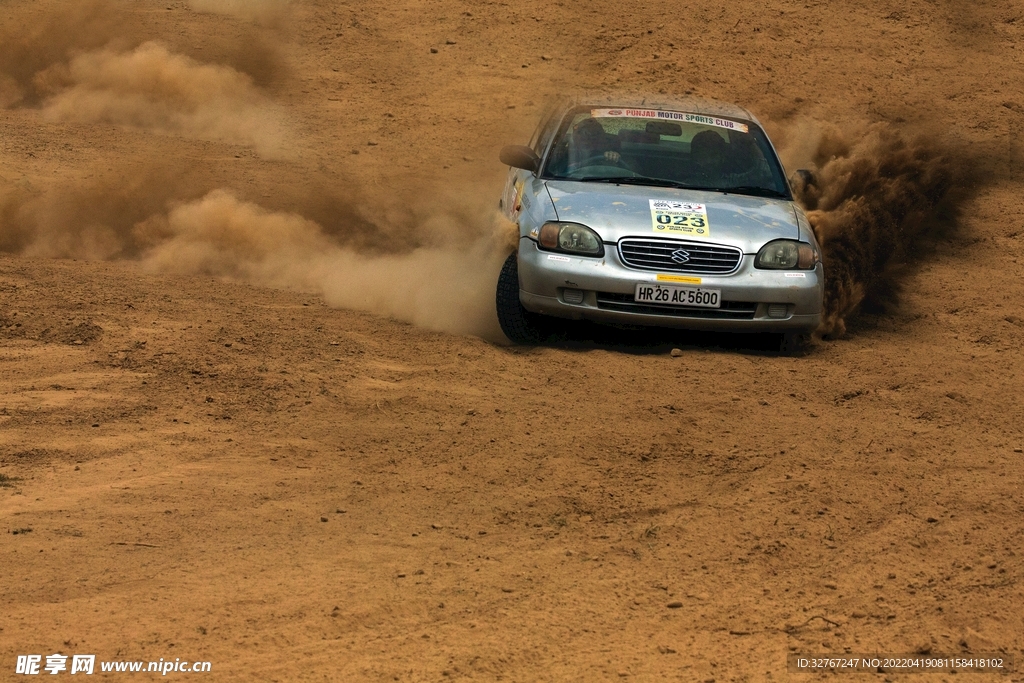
673,213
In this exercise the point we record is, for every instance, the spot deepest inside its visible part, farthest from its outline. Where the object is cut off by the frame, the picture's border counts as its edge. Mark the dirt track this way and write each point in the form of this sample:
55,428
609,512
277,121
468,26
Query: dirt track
219,470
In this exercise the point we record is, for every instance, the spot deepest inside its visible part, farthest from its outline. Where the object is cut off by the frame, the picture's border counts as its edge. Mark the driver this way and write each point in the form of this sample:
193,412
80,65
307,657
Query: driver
709,153
726,163
591,141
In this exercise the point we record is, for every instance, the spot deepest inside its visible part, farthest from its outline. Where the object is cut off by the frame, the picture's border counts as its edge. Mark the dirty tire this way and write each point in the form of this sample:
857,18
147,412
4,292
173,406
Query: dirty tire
793,343
518,324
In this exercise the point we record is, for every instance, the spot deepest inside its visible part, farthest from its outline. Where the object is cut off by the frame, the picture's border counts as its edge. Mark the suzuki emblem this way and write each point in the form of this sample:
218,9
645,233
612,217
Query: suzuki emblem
680,256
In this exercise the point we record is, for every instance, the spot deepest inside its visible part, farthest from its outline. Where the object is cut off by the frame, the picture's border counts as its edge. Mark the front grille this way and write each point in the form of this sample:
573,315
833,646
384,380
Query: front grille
730,310
697,258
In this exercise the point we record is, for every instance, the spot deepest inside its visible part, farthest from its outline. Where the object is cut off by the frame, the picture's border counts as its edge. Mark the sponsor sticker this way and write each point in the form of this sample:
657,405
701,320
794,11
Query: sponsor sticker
552,257
796,275
681,116
685,279
679,218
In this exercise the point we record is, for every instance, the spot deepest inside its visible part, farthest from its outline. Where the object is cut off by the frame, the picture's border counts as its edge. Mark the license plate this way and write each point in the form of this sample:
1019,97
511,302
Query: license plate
671,295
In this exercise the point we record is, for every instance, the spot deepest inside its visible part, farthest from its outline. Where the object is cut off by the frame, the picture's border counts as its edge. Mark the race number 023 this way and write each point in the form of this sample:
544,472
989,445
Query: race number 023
682,219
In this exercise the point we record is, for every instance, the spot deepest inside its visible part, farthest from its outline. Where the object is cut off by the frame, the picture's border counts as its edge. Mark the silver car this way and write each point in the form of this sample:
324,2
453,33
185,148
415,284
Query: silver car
670,214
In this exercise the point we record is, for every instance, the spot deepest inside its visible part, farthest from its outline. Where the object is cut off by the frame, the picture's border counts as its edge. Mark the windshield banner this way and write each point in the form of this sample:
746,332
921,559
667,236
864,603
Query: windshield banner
658,114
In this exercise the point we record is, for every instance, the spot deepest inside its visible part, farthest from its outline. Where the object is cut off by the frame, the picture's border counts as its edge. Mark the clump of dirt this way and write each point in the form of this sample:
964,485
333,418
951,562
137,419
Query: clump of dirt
10,327
83,333
76,333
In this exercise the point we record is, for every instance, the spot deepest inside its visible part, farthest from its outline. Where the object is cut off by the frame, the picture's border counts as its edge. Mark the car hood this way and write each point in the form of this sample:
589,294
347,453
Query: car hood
617,211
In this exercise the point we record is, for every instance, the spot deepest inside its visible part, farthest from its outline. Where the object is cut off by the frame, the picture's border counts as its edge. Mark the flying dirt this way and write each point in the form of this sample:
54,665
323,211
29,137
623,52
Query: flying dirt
875,198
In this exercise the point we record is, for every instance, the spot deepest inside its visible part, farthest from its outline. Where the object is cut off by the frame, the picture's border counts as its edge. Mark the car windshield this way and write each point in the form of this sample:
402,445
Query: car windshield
665,148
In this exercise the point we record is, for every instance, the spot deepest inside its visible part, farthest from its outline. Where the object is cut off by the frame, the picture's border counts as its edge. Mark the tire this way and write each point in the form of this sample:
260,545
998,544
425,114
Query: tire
518,324
793,343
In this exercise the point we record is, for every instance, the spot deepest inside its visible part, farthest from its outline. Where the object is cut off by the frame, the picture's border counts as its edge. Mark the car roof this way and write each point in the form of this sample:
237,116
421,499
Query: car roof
690,104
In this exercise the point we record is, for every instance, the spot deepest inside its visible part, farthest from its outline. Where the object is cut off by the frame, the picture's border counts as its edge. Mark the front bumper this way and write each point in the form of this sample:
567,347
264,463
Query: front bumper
608,286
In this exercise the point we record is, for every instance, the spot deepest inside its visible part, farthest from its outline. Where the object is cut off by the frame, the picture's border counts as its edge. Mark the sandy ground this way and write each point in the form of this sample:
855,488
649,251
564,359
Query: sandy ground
215,464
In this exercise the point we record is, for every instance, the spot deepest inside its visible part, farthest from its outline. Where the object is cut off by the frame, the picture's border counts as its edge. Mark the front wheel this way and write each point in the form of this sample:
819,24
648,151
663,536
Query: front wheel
793,343
519,325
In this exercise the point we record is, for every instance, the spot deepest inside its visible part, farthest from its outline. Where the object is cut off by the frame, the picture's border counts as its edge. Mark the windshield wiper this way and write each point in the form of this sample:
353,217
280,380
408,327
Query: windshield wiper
632,180
754,190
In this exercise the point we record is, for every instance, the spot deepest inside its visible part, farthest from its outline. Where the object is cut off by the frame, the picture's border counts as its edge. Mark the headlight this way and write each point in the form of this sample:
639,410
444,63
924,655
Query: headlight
787,255
571,238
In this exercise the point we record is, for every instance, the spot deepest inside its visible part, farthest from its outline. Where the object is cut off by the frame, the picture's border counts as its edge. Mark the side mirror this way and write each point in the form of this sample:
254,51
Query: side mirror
519,156
806,176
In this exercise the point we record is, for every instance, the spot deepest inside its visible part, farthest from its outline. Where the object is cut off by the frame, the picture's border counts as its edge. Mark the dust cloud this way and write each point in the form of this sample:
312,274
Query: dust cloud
150,87
91,218
443,280
433,263
36,43
80,65
876,196
436,288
